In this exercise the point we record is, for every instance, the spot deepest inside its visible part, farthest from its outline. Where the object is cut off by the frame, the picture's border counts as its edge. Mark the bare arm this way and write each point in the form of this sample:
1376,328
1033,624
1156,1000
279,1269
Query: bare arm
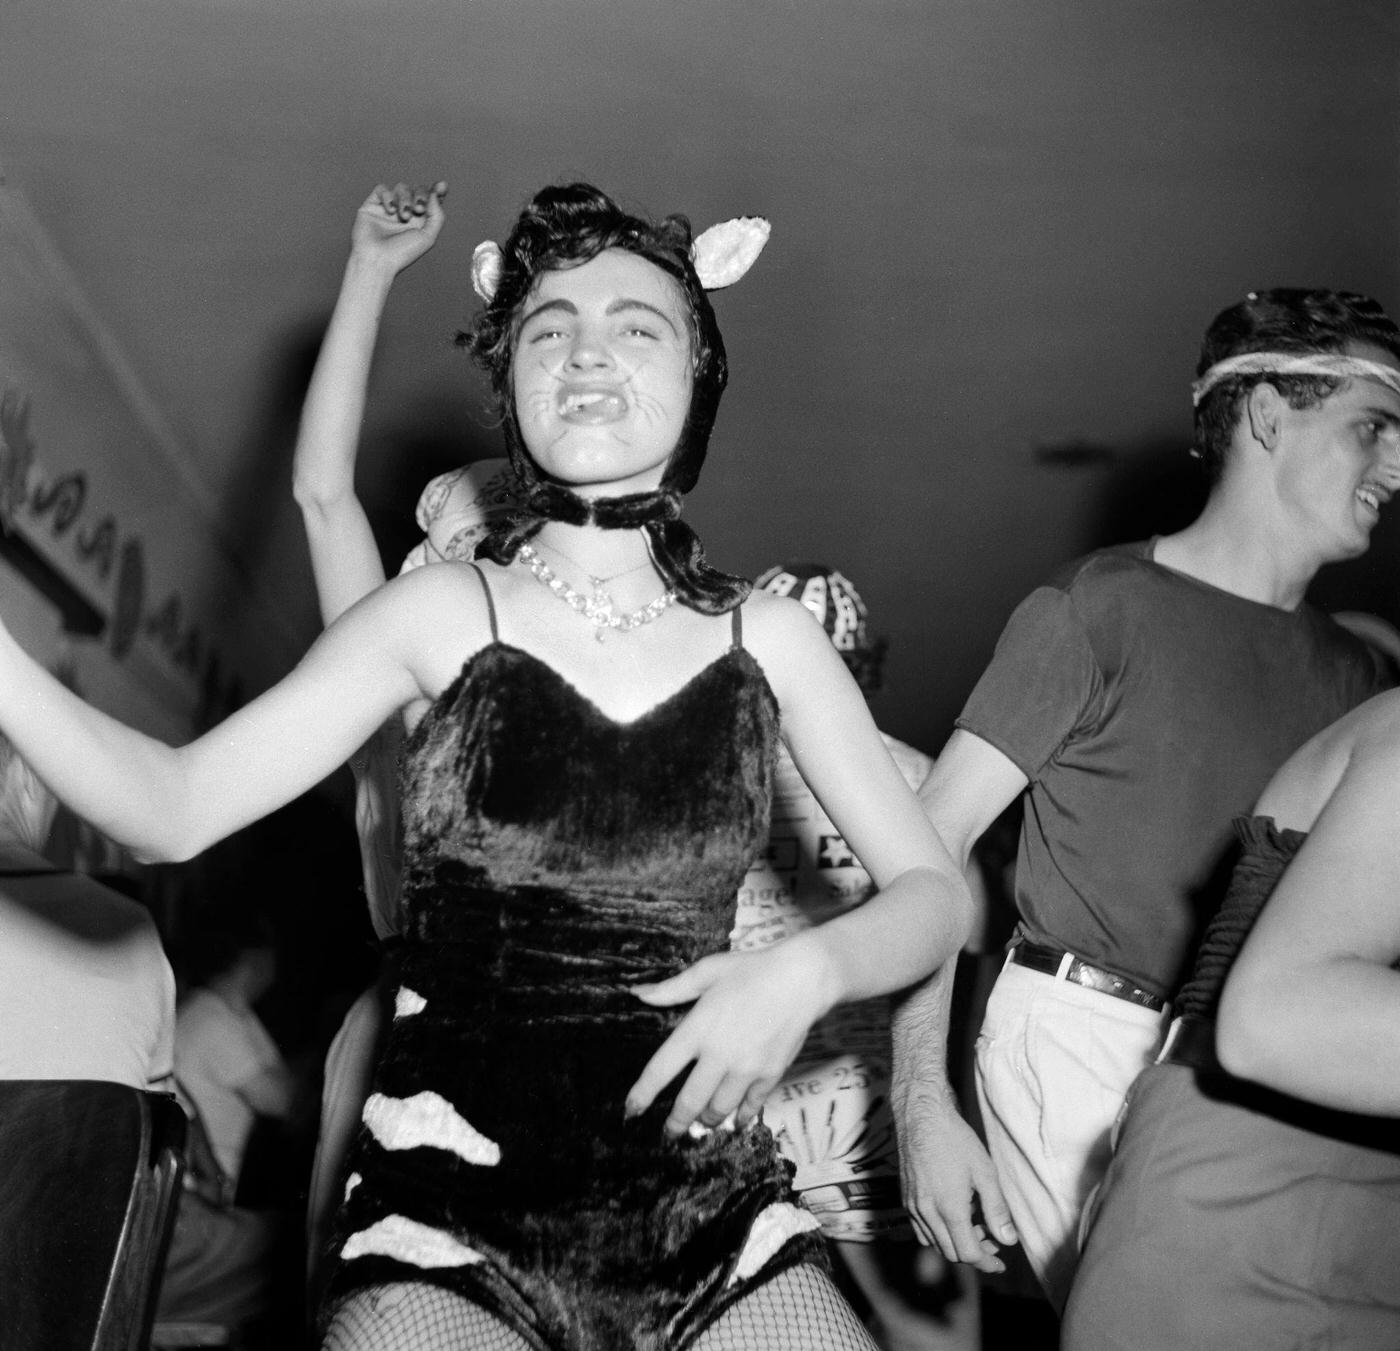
1312,1006
753,1009
944,1168
169,803
392,229
271,1092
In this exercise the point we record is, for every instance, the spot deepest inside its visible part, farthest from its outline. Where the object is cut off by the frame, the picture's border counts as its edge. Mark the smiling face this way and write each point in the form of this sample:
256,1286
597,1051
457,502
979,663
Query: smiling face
602,373
1339,461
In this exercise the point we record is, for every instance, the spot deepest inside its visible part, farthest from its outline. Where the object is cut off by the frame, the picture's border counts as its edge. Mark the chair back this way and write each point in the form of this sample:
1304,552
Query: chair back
89,1178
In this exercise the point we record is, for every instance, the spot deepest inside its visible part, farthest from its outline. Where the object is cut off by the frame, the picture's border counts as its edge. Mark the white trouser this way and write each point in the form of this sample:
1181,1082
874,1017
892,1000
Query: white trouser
1054,1063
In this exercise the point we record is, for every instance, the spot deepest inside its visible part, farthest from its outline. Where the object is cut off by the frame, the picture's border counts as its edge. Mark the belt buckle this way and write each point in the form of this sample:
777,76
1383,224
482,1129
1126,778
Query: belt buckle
1105,982
1096,978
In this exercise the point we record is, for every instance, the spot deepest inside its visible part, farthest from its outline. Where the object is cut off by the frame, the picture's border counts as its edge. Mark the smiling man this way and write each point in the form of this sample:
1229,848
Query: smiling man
1141,699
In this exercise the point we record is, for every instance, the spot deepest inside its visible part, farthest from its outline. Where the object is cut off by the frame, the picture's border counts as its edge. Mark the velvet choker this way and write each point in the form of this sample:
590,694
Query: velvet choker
675,547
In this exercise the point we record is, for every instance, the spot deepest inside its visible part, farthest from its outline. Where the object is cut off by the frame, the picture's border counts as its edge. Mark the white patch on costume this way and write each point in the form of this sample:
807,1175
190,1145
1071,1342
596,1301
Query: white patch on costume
772,1228
351,1183
408,1002
427,1119
409,1241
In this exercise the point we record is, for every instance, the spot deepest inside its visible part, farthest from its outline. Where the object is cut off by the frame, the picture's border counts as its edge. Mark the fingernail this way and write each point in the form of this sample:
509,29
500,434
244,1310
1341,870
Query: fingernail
629,1110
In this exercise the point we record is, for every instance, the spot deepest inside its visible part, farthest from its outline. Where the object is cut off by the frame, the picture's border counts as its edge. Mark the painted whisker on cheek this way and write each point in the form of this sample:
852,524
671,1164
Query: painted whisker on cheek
535,403
649,406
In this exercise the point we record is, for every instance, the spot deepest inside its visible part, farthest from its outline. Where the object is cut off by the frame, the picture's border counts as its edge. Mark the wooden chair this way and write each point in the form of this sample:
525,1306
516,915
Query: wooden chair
89,1177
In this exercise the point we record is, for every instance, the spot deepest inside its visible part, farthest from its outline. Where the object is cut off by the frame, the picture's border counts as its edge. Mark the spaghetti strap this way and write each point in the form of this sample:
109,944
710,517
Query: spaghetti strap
490,601
736,627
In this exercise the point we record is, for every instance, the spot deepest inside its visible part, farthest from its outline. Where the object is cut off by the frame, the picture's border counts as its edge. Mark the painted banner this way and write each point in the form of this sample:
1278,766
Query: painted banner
104,526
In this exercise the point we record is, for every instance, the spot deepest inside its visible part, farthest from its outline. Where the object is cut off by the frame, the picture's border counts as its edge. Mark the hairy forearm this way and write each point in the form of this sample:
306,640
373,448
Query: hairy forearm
919,1027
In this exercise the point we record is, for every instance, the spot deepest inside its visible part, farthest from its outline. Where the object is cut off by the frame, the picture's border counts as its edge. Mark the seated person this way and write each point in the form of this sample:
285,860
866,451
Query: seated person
225,1059
233,1258
1254,1194
85,988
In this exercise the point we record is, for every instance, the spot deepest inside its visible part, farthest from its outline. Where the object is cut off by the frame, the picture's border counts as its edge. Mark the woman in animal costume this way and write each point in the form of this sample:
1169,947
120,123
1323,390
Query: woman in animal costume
560,1148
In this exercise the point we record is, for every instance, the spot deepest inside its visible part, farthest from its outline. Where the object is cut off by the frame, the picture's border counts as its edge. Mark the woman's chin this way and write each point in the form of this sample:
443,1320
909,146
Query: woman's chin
603,471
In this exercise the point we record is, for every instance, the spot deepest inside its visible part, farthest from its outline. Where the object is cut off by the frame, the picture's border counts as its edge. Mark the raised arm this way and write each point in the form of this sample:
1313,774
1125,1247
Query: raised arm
393,228
753,1009
1312,1003
169,803
944,1168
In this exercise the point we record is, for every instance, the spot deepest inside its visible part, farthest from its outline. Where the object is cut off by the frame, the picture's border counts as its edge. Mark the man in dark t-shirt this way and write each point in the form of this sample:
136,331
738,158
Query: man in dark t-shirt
1140,700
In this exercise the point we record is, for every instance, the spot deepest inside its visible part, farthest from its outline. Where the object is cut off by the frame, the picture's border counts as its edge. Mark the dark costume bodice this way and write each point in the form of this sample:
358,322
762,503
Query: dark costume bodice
1265,851
553,859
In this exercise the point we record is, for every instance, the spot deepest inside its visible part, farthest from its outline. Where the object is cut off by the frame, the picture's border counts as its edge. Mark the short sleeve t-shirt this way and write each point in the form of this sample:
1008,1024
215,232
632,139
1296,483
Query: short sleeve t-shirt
86,991
1148,709
220,1047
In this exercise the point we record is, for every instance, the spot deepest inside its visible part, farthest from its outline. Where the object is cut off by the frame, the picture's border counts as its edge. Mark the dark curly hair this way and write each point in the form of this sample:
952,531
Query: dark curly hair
565,226
1285,319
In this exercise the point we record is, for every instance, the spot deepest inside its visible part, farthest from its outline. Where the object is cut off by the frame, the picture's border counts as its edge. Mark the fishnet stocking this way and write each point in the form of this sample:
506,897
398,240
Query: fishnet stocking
416,1317
798,1310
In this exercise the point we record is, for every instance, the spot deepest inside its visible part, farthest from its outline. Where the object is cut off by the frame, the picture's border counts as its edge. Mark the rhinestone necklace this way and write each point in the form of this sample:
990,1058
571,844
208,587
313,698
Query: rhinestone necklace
599,609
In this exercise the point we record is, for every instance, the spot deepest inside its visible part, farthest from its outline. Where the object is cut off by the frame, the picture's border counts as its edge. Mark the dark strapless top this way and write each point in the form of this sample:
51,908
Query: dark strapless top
561,857
1266,850
555,857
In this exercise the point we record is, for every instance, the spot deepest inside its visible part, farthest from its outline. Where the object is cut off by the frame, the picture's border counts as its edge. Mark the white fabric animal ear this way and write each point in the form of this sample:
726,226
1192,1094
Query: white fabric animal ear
487,263
724,252
721,255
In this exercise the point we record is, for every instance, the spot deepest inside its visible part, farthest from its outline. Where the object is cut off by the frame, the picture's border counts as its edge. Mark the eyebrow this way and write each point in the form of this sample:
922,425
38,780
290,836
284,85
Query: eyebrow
617,307
1386,415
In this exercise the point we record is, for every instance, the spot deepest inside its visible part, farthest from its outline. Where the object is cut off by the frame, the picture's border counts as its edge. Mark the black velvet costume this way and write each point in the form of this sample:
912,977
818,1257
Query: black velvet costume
553,858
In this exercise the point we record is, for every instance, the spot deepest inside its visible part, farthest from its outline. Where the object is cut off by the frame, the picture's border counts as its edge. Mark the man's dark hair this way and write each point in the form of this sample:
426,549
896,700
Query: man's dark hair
1286,319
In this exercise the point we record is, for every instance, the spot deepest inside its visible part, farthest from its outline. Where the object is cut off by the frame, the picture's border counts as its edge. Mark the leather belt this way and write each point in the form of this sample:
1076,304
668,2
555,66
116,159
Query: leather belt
1052,962
1191,1041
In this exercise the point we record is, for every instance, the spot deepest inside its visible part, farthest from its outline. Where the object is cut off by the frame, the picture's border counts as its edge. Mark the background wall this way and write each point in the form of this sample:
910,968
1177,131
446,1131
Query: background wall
999,230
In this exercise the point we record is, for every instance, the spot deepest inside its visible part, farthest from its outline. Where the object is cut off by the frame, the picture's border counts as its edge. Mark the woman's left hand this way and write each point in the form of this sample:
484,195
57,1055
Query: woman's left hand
752,1011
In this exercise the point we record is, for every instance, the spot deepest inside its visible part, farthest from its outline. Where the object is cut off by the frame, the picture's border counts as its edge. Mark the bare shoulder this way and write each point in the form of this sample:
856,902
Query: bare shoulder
786,639
782,630
780,619
1364,745
436,617
461,588
1373,729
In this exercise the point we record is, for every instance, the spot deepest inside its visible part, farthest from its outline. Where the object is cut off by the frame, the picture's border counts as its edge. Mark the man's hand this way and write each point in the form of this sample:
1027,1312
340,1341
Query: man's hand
945,1171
